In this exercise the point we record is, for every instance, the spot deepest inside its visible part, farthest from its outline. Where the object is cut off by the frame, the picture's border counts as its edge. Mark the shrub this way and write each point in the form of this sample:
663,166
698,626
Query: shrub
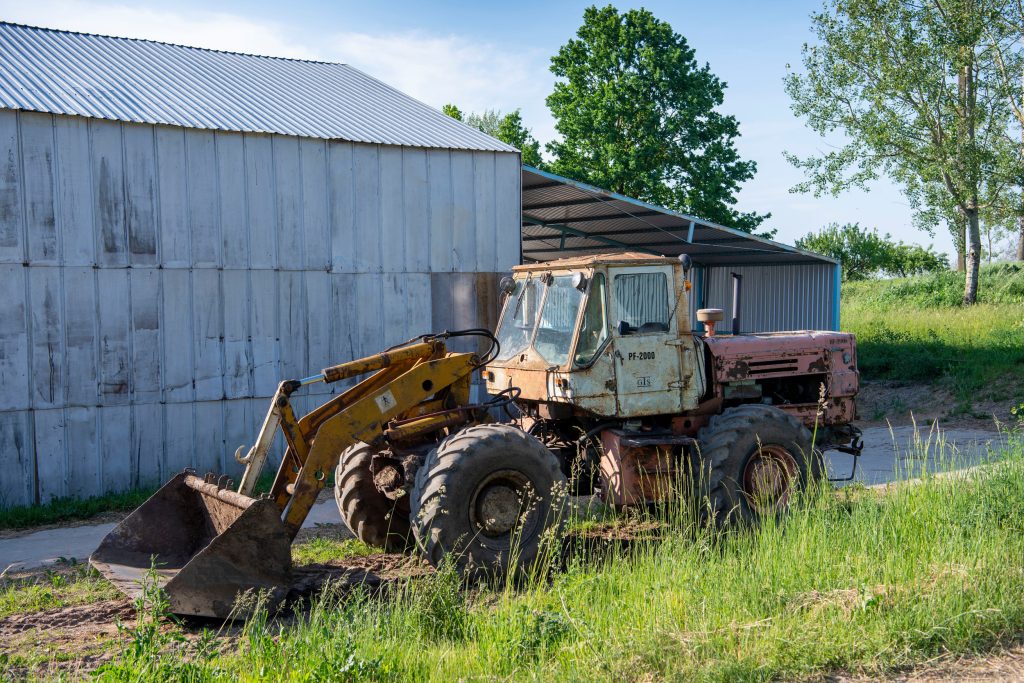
864,253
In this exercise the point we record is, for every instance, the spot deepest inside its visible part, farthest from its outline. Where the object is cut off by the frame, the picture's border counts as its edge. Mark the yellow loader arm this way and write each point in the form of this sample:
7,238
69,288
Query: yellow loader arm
208,543
403,381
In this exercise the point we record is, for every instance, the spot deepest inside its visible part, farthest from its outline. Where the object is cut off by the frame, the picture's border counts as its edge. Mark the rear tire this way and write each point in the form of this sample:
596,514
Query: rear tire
751,460
485,495
374,518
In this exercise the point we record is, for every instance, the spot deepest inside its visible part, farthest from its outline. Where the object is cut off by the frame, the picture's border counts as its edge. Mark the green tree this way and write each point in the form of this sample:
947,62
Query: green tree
864,253
508,128
452,111
910,86
637,115
861,253
1005,35
910,259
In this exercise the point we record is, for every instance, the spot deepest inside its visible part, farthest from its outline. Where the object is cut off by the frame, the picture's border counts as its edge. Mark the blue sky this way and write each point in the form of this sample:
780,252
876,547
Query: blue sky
495,55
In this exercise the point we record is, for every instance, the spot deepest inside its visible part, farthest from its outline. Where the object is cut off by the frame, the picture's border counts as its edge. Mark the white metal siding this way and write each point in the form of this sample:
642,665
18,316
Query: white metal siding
773,298
158,282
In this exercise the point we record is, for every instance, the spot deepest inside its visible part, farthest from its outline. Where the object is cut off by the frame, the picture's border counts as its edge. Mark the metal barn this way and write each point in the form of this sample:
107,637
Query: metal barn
182,228
782,288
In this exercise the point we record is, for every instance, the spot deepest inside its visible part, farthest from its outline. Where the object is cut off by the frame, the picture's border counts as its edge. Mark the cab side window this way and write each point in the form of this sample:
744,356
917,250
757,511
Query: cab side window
594,327
642,302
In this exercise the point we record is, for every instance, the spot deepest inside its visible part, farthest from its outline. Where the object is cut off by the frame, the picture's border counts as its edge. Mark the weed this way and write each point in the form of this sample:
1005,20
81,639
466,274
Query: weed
439,604
155,647
1017,412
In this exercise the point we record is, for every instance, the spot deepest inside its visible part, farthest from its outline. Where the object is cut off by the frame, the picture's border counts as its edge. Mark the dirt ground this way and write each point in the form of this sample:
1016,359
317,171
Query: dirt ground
901,403
1006,664
76,640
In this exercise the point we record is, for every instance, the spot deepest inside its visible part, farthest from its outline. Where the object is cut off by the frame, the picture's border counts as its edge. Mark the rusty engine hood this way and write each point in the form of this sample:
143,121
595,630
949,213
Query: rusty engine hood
786,353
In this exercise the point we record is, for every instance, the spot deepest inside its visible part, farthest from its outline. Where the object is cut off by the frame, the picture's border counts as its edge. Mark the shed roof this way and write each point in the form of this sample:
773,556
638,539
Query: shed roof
143,81
563,217
605,258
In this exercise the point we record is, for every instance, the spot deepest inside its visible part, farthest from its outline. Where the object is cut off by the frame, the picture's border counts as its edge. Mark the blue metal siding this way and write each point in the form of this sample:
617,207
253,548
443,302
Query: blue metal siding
775,298
837,291
142,81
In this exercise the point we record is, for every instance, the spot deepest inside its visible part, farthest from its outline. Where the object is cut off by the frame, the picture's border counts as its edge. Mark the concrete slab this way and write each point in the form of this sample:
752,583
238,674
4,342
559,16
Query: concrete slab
906,452
889,455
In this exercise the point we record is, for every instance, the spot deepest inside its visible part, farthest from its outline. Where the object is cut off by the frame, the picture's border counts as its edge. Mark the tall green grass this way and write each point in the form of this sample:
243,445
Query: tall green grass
914,329
859,581
999,283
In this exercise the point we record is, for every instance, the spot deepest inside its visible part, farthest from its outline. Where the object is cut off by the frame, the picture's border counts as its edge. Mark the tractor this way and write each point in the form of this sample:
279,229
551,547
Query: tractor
594,381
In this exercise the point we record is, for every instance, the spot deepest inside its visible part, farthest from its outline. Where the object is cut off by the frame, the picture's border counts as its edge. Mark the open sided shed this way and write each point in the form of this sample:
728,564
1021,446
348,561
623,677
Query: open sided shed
783,288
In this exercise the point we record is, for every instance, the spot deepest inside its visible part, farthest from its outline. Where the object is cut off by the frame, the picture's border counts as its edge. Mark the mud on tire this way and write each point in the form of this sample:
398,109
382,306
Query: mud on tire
485,495
374,518
751,460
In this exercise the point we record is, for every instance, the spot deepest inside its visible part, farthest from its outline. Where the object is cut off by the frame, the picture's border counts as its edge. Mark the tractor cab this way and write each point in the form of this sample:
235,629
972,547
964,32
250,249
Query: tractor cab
605,335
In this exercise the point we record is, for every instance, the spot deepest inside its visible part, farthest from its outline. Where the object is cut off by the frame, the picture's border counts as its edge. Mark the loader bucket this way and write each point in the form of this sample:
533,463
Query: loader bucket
207,545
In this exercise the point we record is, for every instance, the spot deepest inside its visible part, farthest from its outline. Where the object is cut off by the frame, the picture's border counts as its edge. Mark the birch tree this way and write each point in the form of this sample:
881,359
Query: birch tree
910,86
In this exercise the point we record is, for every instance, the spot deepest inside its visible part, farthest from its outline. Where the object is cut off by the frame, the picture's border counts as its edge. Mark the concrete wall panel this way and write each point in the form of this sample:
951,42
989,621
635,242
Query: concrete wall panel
159,283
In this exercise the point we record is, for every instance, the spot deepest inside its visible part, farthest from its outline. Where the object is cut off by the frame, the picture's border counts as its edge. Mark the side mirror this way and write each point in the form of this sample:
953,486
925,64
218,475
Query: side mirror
687,262
506,286
579,281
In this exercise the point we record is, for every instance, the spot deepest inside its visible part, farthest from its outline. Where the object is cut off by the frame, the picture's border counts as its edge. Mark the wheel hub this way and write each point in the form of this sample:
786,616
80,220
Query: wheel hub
768,478
498,502
498,509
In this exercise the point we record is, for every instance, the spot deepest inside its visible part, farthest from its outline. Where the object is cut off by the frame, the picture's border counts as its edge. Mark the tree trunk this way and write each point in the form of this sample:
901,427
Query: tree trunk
1020,220
969,97
973,256
1020,239
959,232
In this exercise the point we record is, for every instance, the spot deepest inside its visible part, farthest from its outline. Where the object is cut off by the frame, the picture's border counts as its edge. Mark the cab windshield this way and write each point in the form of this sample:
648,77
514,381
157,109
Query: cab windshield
520,318
544,316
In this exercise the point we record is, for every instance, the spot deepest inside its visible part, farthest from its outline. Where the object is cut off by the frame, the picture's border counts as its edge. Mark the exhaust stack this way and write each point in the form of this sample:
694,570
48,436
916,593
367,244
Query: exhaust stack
737,281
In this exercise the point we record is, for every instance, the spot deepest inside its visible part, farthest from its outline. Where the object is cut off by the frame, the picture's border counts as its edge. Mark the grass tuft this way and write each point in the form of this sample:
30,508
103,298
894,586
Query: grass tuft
66,584
325,549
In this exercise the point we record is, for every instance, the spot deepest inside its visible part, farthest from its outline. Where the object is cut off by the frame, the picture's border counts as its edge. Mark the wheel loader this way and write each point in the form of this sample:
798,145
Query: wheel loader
594,380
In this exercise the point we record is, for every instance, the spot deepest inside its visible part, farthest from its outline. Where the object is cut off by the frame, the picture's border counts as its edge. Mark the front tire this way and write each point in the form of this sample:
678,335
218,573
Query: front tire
372,517
752,459
485,496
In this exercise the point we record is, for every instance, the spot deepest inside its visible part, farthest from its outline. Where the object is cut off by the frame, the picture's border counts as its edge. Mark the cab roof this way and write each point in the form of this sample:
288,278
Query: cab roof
619,258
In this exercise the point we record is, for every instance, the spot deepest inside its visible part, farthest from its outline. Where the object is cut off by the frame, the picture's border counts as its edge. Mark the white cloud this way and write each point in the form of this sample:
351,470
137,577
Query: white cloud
441,69
435,69
215,30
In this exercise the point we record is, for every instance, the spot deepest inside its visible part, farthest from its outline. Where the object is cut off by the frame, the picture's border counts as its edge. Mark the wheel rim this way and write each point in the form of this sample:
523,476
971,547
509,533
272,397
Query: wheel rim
768,478
500,501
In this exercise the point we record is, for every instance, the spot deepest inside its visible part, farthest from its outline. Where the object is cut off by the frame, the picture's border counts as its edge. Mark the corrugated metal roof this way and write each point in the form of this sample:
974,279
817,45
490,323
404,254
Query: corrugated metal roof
563,217
143,81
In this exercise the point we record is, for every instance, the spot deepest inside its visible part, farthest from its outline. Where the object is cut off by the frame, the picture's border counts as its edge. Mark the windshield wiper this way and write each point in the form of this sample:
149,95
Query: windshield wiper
519,299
